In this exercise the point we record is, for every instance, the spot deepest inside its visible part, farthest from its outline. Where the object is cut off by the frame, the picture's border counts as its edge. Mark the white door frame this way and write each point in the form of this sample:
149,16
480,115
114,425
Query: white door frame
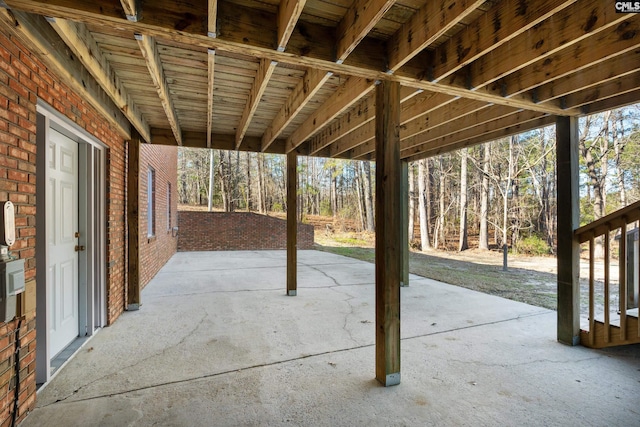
92,227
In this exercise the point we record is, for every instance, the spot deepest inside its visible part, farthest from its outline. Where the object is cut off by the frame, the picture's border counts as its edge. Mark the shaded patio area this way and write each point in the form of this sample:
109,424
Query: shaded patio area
217,342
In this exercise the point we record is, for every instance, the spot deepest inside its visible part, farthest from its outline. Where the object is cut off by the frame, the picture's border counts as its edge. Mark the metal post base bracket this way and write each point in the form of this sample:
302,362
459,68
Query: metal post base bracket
133,307
292,293
392,379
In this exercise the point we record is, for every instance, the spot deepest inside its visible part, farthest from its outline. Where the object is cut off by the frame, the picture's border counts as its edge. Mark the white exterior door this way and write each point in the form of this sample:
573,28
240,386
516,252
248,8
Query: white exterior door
62,226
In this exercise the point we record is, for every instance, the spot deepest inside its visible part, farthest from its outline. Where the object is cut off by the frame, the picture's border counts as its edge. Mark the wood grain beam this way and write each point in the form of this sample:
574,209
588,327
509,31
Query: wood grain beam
134,269
503,22
628,98
195,139
288,14
264,73
427,25
260,46
610,89
211,66
537,123
37,34
292,224
569,26
305,90
212,18
473,132
361,114
151,55
620,40
78,38
342,99
359,19
132,9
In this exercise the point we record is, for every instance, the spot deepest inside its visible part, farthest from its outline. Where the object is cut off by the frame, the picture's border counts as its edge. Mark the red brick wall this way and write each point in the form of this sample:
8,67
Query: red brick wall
221,231
156,251
24,79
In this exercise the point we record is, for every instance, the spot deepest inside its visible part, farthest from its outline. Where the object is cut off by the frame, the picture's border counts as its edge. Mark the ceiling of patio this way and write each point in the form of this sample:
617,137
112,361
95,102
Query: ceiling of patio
300,75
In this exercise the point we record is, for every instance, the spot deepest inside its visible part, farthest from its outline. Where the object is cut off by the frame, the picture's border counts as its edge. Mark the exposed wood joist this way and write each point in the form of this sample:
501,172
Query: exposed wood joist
610,89
288,14
359,20
503,22
611,103
301,95
35,31
195,139
366,68
430,22
504,122
78,38
212,17
132,9
211,66
525,126
149,50
341,100
265,70
569,26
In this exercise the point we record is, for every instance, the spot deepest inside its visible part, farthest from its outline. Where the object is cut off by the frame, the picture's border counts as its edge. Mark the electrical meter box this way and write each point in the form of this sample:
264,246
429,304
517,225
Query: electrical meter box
11,284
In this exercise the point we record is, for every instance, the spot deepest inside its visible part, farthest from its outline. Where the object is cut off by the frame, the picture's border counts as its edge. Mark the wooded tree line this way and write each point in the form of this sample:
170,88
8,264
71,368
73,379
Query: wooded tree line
493,194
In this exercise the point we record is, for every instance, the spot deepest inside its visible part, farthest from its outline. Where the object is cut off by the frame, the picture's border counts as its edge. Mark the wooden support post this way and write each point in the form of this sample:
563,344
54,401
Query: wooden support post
404,204
133,222
568,220
388,233
292,224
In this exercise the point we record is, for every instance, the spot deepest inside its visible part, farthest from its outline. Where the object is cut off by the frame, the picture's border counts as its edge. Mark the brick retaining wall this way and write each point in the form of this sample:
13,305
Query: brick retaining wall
222,231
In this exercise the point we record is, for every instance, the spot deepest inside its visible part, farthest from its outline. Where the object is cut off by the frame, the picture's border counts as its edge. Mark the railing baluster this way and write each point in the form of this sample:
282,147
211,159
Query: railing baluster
606,286
623,279
592,320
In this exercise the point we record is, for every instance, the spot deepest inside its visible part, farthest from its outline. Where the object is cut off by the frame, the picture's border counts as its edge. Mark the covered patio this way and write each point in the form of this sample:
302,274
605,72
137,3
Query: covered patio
218,343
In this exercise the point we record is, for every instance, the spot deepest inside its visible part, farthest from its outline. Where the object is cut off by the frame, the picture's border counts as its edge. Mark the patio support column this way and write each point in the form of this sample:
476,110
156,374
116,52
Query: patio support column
404,204
568,220
133,222
292,224
388,233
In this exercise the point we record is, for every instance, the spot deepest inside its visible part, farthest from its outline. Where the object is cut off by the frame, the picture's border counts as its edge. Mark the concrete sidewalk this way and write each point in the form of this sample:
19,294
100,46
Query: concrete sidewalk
217,343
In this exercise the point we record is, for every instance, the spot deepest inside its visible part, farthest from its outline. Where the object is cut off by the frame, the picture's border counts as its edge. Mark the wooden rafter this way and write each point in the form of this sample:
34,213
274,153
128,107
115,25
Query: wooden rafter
301,95
212,18
211,65
367,68
341,100
151,55
359,20
523,126
265,70
568,27
610,89
132,9
288,14
83,45
35,32
429,23
503,22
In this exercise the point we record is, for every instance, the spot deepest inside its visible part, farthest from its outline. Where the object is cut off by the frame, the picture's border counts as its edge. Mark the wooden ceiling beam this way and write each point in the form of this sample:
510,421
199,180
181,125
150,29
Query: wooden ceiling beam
78,38
304,91
357,22
476,132
288,14
569,26
621,40
37,34
132,9
232,40
521,127
340,101
428,24
582,80
151,55
605,90
619,101
264,73
218,141
503,22
211,66
361,114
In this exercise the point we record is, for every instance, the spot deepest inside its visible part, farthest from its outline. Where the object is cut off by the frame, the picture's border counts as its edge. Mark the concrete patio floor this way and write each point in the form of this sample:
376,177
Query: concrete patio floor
217,343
